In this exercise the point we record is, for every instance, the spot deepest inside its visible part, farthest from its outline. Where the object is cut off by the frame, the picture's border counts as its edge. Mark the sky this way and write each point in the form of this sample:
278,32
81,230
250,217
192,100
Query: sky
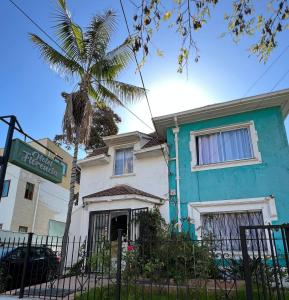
31,90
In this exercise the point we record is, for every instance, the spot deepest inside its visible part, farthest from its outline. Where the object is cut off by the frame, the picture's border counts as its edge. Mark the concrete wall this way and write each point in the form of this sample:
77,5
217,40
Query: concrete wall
271,177
7,203
17,211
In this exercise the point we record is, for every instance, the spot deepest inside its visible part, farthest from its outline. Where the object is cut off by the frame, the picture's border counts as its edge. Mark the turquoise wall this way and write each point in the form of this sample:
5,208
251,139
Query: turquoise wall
271,177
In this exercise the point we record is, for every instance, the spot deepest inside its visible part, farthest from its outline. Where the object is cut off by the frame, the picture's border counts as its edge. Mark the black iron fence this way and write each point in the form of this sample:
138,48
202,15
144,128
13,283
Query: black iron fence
254,266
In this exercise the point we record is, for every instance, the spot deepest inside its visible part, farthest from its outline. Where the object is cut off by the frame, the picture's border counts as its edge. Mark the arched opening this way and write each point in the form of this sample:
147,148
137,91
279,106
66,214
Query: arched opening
118,221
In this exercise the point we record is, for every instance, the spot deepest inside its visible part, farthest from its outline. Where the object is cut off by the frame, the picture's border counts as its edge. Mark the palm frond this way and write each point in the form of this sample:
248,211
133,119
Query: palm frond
70,34
98,35
108,96
104,69
55,58
126,93
121,55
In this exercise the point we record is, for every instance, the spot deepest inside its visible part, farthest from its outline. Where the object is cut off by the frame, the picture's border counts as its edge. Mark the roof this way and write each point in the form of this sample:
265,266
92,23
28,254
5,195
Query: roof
152,142
98,151
280,98
121,190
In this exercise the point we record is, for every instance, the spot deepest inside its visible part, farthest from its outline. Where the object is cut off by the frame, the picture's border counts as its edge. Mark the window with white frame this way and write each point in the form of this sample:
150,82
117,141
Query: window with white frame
224,228
123,163
234,143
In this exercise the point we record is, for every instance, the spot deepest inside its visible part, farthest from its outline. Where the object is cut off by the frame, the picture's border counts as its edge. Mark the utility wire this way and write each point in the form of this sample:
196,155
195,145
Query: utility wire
266,71
281,79
60,47
142,81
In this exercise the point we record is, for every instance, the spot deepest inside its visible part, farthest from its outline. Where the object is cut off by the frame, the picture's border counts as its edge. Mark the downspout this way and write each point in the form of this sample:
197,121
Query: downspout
176,132
36,207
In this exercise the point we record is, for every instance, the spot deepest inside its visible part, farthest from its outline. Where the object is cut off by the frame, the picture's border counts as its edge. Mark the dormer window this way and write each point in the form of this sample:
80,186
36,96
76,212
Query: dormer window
123,163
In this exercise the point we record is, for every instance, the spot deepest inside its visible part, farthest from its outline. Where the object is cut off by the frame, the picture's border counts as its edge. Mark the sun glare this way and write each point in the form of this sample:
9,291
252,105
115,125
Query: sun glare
166,97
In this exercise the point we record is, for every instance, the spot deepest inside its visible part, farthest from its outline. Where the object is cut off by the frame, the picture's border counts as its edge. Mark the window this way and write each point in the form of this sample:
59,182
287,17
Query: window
23,229
1,226
6,187
64,166
229,145
224,227
56,228
224,146
123,161
29,191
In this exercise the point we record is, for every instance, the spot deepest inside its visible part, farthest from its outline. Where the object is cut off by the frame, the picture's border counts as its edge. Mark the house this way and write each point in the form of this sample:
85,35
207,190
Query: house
228,164
30,203
127,176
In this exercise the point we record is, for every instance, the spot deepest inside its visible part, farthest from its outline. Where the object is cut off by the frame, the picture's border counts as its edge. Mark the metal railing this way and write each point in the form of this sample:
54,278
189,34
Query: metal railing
254,266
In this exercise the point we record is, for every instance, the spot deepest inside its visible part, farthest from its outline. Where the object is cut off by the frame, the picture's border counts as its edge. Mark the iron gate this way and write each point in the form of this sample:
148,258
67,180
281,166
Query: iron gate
265,260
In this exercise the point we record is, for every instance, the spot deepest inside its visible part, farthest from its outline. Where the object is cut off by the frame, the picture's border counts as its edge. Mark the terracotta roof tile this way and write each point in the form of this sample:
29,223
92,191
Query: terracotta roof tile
121,190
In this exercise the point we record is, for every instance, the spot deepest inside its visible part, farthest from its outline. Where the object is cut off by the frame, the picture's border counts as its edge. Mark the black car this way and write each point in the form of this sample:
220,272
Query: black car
43,264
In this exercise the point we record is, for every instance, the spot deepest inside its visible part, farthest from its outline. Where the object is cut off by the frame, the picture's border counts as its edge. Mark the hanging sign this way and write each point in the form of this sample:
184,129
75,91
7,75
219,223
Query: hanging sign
34,161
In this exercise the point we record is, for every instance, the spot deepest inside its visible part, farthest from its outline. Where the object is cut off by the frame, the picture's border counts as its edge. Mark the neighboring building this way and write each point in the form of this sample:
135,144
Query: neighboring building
229,164
30,203
117,181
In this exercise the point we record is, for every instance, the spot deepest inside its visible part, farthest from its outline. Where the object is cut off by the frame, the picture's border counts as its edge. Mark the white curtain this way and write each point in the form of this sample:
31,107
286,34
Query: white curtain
224,228
123,161
224,146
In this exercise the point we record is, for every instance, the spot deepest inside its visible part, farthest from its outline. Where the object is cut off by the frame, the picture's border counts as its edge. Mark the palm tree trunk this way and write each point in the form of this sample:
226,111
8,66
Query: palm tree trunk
65,240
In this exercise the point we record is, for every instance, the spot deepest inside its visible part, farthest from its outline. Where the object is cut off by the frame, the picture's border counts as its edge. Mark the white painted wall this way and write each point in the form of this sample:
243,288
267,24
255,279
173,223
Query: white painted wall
150,175
17,211
7,203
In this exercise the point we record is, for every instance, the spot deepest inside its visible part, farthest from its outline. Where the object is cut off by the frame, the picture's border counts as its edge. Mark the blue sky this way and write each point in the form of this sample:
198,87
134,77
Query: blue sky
31,90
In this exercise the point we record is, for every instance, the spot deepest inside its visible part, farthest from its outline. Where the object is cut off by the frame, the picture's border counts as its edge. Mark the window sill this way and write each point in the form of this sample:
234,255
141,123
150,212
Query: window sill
122,175
228,164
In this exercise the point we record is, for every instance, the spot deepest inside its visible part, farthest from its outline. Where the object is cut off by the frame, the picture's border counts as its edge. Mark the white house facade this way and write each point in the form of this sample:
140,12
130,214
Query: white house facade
126,176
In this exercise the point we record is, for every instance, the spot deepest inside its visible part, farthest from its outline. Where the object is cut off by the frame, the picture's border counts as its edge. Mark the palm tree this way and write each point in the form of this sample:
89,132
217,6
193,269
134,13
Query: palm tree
84,55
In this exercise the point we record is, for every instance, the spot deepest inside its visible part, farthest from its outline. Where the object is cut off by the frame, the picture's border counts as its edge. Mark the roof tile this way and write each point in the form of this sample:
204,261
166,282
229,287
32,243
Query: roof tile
121,190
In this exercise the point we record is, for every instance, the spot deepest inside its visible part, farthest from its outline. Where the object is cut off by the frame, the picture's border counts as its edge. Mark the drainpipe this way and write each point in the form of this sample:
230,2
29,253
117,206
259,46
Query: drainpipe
176,131
36,207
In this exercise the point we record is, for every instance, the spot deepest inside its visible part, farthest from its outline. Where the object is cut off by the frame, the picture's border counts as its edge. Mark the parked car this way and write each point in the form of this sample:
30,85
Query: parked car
42,266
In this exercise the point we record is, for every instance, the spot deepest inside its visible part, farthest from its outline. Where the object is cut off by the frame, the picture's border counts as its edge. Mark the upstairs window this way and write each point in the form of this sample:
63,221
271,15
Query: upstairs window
123,163
224,146
5,190
29,190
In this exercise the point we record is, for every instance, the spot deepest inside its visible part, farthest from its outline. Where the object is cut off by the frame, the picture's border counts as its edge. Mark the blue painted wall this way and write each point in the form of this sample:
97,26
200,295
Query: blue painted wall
271,177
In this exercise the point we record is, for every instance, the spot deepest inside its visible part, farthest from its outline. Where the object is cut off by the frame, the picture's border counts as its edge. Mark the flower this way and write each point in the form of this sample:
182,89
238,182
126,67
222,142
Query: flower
130,248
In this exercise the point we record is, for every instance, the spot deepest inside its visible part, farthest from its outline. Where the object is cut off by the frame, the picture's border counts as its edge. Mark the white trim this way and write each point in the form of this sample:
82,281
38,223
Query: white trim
226,164
176,131
264,204
273,99
122,175
101,158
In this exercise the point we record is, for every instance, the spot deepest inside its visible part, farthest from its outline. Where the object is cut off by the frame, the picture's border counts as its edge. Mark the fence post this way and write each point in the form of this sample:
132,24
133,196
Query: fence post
246,262
26,260
118,267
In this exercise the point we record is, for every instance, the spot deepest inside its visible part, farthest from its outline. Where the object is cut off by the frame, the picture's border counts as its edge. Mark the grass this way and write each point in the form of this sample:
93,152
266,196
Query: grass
163,293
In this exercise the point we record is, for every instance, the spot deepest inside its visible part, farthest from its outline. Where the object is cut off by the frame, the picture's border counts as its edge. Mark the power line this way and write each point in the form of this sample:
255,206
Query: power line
142,80
60,47
266,71
281,79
